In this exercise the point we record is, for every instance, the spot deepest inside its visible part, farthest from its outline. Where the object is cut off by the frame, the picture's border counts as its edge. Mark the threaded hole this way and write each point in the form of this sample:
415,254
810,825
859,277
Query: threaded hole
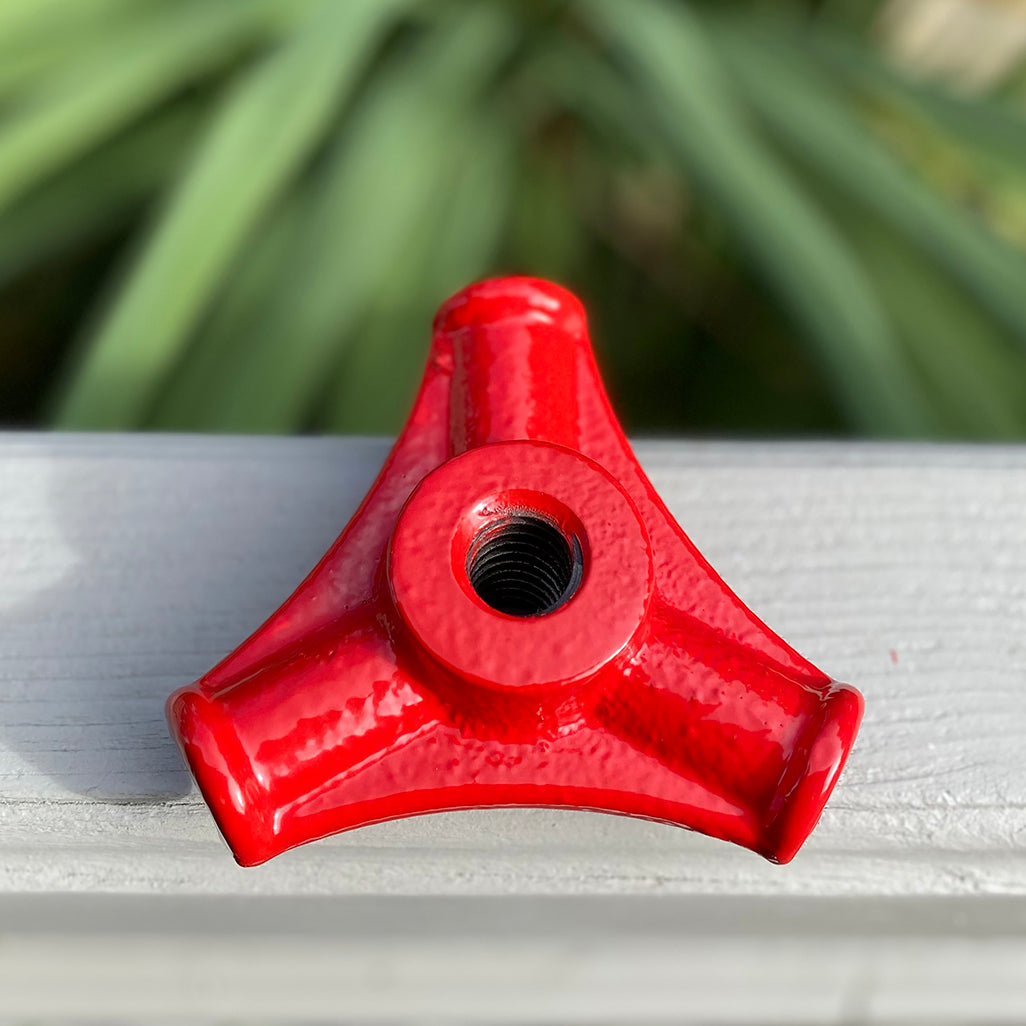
523,565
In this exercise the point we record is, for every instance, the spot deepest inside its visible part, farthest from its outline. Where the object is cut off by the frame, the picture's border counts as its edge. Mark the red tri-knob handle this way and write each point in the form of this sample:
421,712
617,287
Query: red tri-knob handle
512,617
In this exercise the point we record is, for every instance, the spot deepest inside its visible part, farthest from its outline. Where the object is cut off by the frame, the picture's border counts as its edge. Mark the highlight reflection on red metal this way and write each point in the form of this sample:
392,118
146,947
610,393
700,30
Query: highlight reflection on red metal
513,617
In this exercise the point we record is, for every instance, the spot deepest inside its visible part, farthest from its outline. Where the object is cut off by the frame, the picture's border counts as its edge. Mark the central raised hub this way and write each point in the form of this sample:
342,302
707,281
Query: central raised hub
521,565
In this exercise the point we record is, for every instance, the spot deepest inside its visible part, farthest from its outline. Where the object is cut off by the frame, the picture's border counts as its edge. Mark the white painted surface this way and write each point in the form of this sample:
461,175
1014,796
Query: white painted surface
129,565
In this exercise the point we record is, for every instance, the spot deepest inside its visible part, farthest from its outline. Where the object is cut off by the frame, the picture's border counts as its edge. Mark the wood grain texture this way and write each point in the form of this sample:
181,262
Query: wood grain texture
130,565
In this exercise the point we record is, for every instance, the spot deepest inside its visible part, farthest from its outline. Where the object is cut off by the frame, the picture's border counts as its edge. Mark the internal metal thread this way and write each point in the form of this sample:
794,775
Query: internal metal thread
523,565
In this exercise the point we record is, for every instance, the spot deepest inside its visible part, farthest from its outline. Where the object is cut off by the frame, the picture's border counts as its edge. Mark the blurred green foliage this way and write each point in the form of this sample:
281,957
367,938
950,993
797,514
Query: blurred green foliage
240,214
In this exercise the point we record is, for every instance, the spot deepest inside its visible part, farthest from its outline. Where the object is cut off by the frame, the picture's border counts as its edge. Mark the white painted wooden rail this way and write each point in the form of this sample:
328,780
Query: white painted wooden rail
129,565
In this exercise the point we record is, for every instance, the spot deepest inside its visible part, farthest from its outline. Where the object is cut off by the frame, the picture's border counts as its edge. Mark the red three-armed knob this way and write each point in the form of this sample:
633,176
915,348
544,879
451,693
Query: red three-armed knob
512,617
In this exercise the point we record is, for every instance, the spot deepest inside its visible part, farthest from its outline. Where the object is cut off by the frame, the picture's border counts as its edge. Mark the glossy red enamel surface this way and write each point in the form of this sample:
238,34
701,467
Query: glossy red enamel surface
387,687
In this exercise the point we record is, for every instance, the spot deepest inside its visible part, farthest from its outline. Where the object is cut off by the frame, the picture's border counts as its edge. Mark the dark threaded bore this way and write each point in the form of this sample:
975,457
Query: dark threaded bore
523,565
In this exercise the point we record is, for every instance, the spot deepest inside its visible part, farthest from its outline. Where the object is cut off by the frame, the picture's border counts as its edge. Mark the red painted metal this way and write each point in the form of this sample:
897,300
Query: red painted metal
387,687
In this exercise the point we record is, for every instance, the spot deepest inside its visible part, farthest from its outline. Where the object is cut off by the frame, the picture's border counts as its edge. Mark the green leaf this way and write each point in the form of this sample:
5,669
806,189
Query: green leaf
978,121
264,133
376,384
796,250
389,172
97,195
110,82
265,269
586,84
802,109
24,23
960,350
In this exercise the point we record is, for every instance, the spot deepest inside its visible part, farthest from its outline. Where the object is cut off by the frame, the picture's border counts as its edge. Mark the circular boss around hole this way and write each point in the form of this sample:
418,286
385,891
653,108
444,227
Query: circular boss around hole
523,565
491,547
